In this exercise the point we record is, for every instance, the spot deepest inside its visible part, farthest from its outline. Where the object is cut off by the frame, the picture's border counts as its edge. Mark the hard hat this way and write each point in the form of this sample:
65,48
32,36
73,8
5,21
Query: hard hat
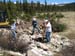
46,20
34,19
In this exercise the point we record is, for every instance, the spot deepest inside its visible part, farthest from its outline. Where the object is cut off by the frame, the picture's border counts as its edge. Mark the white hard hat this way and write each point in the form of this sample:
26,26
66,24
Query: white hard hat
34,19
46,20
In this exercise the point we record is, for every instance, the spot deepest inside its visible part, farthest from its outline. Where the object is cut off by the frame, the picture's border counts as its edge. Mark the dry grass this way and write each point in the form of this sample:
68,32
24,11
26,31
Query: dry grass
69,20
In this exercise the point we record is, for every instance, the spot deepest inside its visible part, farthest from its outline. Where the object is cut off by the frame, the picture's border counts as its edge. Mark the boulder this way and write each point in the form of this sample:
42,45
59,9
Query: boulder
42,46
11,53
39,52
34,52
25,38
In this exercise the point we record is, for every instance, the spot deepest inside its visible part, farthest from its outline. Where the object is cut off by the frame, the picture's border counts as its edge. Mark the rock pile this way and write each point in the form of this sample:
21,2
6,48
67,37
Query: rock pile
35,48
48,49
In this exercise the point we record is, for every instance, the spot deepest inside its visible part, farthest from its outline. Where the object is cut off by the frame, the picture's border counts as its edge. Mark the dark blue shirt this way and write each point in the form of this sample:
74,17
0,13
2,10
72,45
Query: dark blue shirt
34,23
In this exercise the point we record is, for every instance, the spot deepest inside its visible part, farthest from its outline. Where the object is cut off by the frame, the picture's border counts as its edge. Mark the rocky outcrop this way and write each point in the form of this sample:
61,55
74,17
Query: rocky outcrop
7,41
49,49
26,43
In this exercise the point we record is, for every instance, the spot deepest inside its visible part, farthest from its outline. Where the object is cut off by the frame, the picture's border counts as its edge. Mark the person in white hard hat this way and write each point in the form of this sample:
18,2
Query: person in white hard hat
48,30
35,25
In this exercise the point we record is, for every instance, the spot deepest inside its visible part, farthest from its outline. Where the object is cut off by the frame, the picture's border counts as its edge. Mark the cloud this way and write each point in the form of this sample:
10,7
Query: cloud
54,3
14,2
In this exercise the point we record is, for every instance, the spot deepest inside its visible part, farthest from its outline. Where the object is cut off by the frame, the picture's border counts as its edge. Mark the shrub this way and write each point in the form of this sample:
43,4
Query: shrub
26,17
58,27
59,15
43,16
54,19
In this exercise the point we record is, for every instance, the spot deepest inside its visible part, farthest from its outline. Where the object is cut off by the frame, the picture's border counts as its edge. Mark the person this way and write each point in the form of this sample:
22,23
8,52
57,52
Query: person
48,30
35,25
13,29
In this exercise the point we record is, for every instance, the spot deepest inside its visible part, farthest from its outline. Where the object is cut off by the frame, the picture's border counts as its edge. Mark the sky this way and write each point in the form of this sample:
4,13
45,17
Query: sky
52,1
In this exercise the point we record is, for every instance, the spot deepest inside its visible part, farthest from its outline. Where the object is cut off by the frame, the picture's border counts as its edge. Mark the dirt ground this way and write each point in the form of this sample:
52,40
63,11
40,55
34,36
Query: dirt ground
69,20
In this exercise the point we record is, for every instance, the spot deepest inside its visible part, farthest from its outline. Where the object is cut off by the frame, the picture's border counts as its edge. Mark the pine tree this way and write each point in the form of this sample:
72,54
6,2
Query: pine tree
45,6
21,5
17,5
32,6
25,6
4,1
38,6
4,5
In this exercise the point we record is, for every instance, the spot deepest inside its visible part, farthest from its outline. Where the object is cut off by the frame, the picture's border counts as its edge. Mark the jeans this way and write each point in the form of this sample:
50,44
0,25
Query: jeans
48,36
34,29
13,34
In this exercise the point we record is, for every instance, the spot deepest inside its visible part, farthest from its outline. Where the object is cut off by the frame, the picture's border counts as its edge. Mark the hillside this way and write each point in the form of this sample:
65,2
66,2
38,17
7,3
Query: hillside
32,45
